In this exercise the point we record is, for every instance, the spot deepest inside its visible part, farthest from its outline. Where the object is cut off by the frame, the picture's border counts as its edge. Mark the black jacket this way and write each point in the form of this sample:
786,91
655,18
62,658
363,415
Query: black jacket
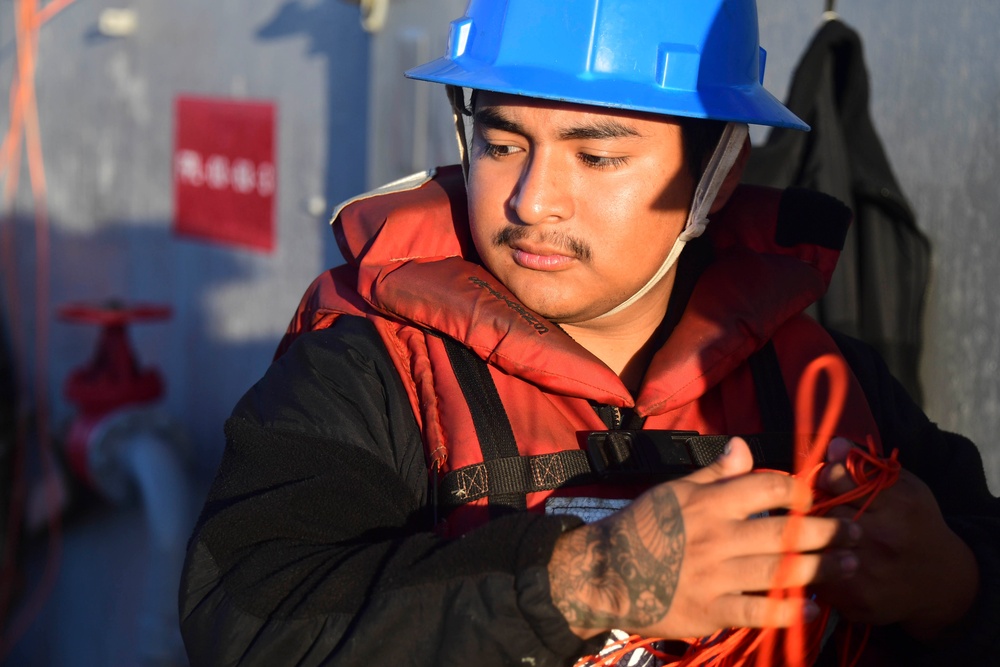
878,290
315,544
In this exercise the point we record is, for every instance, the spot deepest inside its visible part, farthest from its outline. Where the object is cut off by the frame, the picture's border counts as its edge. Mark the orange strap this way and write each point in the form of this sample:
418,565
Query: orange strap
29,18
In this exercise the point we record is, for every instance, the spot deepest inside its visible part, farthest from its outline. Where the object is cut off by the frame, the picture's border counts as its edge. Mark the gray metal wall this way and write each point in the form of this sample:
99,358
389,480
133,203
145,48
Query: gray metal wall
106,110
411,128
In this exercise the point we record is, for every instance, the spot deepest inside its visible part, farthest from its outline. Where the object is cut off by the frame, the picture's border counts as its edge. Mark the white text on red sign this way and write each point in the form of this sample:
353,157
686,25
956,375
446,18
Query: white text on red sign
218,172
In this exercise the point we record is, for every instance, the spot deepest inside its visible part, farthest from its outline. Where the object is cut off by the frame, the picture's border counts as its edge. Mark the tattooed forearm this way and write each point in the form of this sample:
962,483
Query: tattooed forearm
621,571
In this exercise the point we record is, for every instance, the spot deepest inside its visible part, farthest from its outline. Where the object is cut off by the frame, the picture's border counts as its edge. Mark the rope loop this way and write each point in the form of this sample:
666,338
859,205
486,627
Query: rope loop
802,643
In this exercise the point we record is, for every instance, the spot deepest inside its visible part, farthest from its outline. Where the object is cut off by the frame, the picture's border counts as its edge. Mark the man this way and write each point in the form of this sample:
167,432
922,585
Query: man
404,485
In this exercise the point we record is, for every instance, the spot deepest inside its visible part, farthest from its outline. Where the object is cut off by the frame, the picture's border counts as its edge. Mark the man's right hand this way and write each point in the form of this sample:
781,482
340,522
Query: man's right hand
687,558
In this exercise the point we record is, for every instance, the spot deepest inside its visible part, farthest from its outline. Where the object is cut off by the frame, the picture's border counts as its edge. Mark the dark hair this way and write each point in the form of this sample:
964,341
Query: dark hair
699,137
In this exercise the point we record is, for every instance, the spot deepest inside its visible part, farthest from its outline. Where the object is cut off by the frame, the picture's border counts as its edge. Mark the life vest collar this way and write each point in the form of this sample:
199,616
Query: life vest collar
775,253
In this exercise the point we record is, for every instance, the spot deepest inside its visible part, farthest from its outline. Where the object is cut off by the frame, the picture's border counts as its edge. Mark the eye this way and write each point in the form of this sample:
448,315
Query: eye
499,150
602,162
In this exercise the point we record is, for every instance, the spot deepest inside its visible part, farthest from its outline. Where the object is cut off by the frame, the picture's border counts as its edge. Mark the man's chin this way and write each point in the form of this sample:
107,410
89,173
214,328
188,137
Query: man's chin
564,314
560,307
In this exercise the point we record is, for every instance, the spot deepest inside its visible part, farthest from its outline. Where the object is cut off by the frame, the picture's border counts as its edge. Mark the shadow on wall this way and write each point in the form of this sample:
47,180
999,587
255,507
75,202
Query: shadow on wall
114,596
346,76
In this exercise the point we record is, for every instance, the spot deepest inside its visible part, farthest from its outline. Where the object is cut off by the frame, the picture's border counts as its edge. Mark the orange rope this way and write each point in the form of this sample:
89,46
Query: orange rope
741,647
48,11
24,122
613,653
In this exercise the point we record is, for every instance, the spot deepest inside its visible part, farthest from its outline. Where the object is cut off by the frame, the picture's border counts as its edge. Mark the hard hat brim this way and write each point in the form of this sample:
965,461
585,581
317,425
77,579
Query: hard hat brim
744,104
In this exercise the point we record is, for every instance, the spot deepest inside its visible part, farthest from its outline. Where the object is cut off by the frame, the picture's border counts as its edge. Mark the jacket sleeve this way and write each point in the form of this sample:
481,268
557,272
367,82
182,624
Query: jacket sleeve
952,467
315,547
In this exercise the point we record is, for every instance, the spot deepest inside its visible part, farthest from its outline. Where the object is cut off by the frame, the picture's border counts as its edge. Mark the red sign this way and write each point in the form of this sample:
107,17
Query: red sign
225,179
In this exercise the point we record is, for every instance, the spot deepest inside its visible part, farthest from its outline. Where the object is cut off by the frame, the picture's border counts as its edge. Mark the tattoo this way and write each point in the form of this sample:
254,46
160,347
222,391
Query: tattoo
623,570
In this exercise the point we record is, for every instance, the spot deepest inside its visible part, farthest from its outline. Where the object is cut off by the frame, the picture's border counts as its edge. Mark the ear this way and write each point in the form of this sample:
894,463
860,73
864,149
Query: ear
733,178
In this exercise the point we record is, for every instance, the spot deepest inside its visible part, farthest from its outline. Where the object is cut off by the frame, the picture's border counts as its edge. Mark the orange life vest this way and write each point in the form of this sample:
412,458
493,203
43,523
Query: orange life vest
410,268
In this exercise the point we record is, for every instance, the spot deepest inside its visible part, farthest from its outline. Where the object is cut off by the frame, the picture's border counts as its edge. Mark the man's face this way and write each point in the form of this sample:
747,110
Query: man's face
572,207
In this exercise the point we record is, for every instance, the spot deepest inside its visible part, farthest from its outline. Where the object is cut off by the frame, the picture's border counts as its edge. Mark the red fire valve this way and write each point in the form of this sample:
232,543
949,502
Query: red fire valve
113,377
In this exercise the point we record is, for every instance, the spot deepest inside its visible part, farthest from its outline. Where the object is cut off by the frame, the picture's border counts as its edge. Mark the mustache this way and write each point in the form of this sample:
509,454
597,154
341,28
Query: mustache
563,242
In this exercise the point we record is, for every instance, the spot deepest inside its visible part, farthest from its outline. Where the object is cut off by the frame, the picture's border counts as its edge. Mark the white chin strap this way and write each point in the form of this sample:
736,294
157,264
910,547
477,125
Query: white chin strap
723,159
459,99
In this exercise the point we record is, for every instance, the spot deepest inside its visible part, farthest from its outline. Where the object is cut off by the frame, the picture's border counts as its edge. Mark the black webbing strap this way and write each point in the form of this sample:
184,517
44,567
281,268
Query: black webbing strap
515,475
499,483
613,456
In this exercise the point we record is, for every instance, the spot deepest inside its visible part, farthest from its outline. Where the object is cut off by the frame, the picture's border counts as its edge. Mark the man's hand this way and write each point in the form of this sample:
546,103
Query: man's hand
684,559
912,568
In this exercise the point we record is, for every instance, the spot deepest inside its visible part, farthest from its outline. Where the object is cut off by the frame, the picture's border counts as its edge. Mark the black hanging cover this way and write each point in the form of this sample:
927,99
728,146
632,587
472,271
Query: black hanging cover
877,293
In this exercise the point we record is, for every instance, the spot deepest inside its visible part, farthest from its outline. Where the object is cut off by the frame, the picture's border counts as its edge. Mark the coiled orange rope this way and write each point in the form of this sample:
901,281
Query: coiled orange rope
802,642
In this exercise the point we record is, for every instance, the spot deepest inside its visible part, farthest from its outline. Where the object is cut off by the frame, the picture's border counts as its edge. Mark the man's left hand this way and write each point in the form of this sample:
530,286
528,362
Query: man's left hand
912,568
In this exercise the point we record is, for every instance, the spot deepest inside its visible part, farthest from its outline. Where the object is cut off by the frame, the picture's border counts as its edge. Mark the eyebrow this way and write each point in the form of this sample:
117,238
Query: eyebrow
605,128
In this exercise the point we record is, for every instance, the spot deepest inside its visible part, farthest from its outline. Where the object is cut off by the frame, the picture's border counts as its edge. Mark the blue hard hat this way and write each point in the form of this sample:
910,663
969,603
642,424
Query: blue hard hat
696,58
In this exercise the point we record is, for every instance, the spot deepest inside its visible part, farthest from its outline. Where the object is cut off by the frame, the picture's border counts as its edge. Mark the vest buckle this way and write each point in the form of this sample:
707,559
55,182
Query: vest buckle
626,455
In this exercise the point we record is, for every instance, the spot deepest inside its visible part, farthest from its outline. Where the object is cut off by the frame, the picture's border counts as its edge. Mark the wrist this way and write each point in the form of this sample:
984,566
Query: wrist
576,570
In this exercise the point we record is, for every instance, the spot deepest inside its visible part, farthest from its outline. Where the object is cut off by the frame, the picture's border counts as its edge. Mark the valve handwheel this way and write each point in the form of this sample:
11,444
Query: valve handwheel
113,313
113,377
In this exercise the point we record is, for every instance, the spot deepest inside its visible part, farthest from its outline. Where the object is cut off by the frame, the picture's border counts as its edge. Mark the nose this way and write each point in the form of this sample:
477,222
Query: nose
542,193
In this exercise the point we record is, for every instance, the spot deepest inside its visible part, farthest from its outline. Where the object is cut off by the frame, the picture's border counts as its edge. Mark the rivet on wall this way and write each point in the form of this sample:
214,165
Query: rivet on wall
373,13
117,22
